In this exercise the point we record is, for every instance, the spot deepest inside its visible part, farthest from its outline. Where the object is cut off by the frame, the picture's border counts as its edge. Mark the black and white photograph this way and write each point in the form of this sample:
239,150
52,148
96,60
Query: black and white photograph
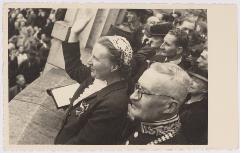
107,76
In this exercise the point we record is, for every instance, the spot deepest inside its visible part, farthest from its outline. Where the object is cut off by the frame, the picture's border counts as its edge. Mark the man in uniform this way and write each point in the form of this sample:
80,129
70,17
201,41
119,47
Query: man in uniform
155,103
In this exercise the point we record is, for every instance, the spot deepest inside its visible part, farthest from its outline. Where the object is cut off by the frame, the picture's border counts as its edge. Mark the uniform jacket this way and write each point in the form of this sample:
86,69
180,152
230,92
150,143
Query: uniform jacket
99,118
134,135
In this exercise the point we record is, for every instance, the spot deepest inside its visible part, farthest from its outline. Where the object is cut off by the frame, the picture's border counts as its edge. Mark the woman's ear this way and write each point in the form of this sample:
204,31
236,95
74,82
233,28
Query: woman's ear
114,68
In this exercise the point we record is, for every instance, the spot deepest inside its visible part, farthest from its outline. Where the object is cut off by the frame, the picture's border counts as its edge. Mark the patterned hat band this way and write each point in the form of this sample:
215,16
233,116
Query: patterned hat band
124,46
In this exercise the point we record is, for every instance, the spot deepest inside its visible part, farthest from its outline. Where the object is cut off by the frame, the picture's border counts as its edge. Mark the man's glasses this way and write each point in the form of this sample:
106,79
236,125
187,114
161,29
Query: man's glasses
140,91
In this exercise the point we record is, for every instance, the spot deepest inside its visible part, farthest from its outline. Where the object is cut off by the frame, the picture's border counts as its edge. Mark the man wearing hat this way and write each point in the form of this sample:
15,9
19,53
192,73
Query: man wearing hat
154,33
174,44
155,103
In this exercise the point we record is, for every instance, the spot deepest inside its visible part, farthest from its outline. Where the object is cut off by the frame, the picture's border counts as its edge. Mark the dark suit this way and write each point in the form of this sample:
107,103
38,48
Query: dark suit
99,118
194,118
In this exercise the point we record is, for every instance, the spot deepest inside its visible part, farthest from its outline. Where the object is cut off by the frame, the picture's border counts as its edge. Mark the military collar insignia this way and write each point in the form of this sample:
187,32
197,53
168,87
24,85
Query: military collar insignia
161,128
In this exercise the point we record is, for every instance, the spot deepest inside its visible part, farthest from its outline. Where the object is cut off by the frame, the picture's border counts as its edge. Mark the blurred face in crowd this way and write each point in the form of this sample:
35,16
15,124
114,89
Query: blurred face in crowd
43,37
148,102
152,20
160,17
169,47
43,14
13,15
100,63
32,12
13,53
20,80
11,46
48,21
187,26
152,41
156,41
198,86
20,16
35,28
202,61
21,49
22,24
17,11
131,17
52,11
16,25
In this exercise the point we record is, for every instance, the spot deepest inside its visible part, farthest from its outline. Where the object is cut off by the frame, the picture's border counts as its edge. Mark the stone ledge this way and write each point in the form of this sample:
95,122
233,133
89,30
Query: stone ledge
33,115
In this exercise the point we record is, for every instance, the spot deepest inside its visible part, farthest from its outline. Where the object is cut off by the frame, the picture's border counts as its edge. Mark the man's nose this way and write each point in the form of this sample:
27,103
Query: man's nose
199,60
134,96
162,46
145,40
149,42
187,31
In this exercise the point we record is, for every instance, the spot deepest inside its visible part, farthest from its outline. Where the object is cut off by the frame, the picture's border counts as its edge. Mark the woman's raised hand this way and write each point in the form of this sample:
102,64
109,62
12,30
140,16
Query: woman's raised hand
78,26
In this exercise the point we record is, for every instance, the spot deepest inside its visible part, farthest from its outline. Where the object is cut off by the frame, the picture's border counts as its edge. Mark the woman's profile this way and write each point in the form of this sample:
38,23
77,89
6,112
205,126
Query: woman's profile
99,116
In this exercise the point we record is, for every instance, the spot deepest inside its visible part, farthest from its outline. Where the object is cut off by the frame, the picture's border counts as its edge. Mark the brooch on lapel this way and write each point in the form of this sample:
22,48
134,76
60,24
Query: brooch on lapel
82,108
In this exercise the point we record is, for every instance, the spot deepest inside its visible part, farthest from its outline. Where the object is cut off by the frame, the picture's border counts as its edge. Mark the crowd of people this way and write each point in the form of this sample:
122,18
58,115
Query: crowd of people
29,41
146,81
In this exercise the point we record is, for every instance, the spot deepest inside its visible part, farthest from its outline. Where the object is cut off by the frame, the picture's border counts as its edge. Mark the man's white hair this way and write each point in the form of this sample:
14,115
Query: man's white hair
179,81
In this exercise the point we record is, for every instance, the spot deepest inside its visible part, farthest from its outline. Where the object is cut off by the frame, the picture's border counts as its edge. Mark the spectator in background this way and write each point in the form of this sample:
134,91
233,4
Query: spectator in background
29,43
22,56
152,20
151,42
60,14
12,65
154,33
47,29
171,50
197,43
160,17
30,68
41,18
32,18
52,15
194,113
202,63
23,12
187,24
11,25
201,28
20,85
132,28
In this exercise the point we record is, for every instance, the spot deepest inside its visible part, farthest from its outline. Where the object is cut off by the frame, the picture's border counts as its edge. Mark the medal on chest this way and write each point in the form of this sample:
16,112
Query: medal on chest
82,108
